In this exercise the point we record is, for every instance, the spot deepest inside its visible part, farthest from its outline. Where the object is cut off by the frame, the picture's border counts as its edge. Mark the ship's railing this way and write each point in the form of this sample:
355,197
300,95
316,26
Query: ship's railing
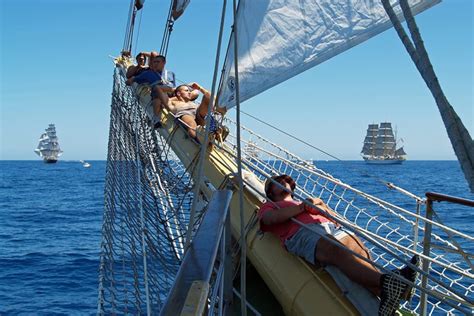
428,245
392,231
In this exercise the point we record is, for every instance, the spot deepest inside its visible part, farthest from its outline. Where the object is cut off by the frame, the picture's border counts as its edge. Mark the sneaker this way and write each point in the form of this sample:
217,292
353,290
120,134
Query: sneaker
394,289
410,274
392,292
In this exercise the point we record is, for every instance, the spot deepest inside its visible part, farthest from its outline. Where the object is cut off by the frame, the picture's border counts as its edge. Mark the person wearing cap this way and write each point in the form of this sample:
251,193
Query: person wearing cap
275,217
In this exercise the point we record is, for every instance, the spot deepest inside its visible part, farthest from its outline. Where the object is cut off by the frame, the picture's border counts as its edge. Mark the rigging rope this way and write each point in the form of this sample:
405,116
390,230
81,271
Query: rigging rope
243,252
138,31
459,136
203,148
126,41
167,31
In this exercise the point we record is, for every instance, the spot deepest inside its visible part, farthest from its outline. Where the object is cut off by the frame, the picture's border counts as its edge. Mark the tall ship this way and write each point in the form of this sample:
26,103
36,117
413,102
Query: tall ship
380,145
48,146
181,234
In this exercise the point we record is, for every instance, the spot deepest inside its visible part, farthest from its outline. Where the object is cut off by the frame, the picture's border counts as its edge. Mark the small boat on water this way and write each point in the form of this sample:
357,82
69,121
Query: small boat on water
85,164
380,146
48,146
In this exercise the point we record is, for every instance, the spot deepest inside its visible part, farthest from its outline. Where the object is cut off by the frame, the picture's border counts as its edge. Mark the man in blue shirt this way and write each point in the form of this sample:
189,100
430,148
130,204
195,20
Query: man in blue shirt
156,76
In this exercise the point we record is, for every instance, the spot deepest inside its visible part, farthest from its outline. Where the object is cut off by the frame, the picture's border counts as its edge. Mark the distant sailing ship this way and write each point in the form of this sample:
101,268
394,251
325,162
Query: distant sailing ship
380,145
48,147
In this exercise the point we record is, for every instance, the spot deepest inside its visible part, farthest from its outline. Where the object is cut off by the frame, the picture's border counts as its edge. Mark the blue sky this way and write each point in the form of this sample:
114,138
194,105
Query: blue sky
55,69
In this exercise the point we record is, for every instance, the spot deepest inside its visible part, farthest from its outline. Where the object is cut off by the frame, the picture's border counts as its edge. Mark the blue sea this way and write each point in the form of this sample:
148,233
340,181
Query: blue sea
51,217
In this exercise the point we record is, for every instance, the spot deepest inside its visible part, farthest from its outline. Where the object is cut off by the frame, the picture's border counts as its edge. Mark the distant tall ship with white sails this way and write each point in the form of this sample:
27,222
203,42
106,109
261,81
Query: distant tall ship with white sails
48,147
380,145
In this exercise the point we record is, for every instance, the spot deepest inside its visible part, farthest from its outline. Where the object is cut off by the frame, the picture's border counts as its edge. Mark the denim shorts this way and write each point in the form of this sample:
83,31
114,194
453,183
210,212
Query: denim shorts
303,242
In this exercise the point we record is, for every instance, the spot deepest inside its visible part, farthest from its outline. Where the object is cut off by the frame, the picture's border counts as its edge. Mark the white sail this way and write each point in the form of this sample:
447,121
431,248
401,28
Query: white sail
278,39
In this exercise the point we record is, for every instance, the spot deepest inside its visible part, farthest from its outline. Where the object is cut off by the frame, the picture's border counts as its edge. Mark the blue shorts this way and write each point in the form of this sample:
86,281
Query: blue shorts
303,242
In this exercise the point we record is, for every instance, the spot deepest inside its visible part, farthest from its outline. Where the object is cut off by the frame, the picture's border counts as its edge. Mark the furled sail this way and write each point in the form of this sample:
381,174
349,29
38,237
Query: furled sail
278,39
178,8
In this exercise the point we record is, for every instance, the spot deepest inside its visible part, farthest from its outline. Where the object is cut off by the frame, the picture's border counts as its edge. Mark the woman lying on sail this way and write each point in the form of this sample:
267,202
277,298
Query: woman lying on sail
182,105
275,217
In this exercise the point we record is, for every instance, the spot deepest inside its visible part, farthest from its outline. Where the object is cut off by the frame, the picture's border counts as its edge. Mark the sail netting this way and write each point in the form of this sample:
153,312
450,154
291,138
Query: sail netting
392,232
148,195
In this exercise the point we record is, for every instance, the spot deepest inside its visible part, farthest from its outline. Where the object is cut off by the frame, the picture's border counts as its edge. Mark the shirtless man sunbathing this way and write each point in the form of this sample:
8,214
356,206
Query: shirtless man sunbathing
275,217
182,105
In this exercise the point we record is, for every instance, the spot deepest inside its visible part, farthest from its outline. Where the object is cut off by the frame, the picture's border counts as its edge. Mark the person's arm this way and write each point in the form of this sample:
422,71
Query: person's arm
149,55
129,81
321,205
138,79
131,71
206,94
281,215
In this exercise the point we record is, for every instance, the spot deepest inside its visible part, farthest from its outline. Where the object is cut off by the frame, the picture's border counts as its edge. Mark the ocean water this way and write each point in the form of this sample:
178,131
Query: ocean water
51,217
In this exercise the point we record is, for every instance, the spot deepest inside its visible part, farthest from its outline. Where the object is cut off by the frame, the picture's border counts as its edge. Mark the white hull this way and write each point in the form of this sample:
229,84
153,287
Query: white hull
384,161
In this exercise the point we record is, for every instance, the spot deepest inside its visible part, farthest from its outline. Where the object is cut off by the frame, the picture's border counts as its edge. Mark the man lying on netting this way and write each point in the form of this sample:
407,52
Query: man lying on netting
275,217
182,105
158,77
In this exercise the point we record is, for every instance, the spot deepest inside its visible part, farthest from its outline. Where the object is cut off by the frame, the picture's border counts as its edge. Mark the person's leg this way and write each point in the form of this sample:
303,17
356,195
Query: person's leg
201,113
160,99
157,111
157,106
191,124
356,269
157,103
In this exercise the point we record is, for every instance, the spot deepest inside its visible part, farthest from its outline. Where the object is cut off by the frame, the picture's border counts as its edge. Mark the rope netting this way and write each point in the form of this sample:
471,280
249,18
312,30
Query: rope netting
148,194
392,233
